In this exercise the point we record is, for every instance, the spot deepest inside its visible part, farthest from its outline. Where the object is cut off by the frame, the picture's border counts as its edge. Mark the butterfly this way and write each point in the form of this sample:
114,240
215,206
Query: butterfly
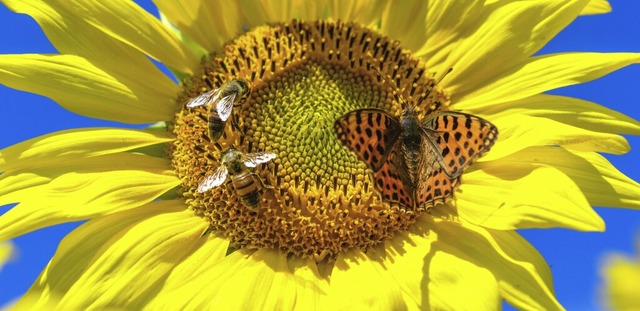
415,163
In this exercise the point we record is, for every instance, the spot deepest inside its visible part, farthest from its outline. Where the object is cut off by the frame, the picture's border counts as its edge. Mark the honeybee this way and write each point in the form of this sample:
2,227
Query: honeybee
222,101
237,164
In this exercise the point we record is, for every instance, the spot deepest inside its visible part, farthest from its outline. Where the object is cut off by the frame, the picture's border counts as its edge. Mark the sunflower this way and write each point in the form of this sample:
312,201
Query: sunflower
621,290
6,250
170,223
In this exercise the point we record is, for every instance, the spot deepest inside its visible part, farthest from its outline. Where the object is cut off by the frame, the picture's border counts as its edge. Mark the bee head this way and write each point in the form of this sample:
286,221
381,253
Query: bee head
242,86
230,156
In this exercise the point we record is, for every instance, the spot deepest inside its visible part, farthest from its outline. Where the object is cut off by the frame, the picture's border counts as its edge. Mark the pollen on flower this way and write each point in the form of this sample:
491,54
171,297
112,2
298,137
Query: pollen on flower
316,198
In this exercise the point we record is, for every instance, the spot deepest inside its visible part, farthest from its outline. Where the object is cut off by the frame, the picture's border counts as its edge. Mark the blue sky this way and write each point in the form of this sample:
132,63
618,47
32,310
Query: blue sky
574,257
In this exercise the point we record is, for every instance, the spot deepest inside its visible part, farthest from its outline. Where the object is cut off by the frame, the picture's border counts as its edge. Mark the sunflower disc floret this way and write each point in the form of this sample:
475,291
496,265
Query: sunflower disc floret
317,198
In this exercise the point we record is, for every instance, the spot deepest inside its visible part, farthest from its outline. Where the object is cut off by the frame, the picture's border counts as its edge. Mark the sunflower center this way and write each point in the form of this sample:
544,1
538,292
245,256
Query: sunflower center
287,180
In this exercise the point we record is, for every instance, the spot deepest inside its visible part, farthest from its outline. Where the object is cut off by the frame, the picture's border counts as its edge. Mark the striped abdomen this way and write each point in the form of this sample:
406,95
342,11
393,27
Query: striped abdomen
216,125
247,189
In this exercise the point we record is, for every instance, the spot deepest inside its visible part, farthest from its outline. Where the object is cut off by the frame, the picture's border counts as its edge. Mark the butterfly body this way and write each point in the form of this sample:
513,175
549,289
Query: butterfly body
415,163
411,140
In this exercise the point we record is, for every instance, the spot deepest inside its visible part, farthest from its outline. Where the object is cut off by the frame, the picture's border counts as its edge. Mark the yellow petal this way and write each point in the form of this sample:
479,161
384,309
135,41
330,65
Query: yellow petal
434,279
206,280
114,260
359,282
223,285
6,251
139,29
76,143
521,131
213,250
312,285
568,110
14,184
260,12
273,275
71,35
82,189
510,194
612,189
406,22
191,44
536,75
76,84
210,23
600,182
506,35
446,22
313,10
523,276
596,7
278,11
364,12
256,14
622,277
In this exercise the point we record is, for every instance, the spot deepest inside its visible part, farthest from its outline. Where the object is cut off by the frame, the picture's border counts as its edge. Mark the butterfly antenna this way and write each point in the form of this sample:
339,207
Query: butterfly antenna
433,85
444,75
398,97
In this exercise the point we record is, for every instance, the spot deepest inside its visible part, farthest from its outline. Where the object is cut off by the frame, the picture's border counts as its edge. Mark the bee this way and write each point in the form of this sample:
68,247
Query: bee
221,101
237,164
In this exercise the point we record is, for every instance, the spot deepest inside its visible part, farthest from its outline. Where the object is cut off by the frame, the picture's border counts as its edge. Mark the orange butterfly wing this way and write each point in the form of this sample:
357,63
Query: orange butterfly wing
373,135
393,180
434,184
451,141
459,139
370,133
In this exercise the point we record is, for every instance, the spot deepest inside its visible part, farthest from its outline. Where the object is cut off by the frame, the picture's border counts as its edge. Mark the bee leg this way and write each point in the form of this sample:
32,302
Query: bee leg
235,123
271,191
265,186
226,182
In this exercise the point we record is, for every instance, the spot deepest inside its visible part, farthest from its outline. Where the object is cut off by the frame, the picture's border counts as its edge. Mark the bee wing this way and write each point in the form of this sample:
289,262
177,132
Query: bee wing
203,99
216,179
225,105
253,159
